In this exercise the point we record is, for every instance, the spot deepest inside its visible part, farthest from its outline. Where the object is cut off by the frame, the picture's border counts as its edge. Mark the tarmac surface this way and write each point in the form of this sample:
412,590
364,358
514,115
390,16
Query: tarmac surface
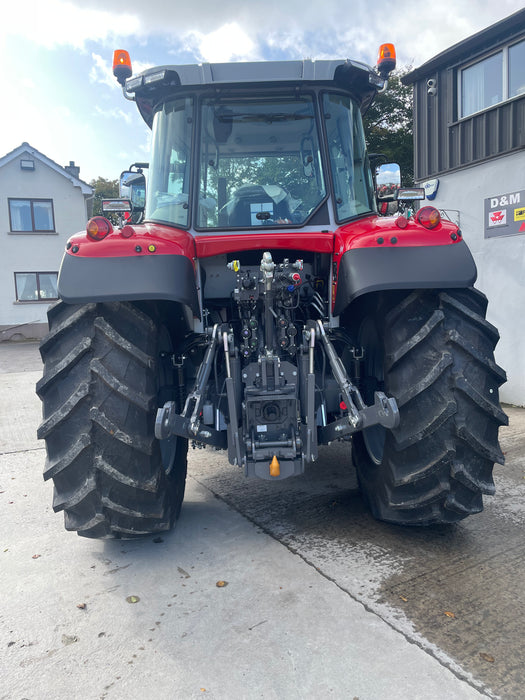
320,600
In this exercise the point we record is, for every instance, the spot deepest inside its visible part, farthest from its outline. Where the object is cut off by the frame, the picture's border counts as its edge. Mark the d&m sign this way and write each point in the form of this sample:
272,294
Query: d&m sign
505,214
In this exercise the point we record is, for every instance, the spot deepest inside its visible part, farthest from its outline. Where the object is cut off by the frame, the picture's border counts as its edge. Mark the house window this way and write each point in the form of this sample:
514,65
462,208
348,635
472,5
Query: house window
492,80
36,286
516,69
31,215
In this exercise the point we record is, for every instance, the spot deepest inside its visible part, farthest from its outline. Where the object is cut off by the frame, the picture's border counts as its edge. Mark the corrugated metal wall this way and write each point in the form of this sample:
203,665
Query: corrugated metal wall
444,143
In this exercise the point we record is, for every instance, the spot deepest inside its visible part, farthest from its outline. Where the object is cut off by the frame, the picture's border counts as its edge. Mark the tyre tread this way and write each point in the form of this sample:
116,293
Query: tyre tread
100,384
64,411
439,365
426,329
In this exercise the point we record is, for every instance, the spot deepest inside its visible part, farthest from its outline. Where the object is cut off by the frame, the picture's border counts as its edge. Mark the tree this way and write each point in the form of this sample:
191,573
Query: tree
103,189
388,125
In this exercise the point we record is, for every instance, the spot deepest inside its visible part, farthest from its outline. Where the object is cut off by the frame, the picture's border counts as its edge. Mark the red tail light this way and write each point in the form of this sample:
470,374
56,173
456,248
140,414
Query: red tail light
126,231
429,217
98,228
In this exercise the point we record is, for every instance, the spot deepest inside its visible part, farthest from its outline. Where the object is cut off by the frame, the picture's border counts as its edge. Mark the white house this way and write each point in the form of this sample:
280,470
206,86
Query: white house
41,205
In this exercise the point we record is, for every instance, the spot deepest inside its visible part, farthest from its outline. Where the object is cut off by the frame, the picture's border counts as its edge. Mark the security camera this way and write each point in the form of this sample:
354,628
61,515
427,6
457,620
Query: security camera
431,83
432,91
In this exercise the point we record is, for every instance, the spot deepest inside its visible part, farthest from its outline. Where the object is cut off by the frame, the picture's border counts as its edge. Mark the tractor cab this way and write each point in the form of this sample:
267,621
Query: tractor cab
257,145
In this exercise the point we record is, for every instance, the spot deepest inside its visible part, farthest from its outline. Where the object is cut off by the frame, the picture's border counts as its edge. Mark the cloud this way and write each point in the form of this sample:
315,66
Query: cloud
114,113
102,72
52,23
227,43
230,30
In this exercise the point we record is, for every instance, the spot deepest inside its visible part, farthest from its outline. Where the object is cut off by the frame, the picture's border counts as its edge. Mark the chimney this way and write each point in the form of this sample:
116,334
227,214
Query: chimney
72,169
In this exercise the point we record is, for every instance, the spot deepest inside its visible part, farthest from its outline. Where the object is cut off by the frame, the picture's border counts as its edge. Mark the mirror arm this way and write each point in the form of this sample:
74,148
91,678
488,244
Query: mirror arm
129,97
384,88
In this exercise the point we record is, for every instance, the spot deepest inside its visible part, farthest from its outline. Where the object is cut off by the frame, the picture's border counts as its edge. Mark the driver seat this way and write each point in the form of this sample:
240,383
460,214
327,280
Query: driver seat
250,200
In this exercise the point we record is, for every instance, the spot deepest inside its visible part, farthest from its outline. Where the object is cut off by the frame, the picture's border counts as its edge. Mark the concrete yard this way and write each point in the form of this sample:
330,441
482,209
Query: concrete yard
321,600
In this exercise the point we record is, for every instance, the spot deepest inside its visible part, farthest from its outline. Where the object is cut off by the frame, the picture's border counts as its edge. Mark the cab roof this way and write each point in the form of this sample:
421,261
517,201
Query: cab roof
155,85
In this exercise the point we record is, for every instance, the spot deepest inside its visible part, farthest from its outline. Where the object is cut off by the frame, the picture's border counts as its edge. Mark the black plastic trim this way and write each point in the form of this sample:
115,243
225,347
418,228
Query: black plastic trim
364,270
169,277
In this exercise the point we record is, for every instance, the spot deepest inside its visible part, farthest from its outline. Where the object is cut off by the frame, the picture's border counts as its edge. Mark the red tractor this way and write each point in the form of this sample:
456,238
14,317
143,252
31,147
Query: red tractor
261,306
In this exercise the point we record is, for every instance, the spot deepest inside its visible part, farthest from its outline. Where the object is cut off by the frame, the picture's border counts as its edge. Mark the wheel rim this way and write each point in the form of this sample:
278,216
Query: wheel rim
373,437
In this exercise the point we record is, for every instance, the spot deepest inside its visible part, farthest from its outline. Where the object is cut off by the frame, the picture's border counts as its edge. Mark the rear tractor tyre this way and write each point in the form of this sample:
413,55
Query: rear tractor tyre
106,370
433,351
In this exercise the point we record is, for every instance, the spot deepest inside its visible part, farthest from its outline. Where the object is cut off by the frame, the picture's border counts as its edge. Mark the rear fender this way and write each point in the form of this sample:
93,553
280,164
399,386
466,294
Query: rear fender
136,263
372,269
169,277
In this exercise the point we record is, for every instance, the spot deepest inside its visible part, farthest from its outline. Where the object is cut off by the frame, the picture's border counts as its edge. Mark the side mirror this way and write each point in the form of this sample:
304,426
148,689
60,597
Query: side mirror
132,186
388,181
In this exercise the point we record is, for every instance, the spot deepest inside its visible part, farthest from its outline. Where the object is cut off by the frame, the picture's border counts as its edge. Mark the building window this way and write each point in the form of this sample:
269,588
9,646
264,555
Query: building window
36,286
482,85
516,69
492,80
31,215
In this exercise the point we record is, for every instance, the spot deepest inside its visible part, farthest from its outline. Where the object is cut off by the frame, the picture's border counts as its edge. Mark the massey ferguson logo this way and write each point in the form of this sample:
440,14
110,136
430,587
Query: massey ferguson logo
498,218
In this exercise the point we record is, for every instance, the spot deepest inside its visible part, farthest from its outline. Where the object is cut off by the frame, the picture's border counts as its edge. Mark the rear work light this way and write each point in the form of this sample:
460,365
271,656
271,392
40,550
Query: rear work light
429,217
98,228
